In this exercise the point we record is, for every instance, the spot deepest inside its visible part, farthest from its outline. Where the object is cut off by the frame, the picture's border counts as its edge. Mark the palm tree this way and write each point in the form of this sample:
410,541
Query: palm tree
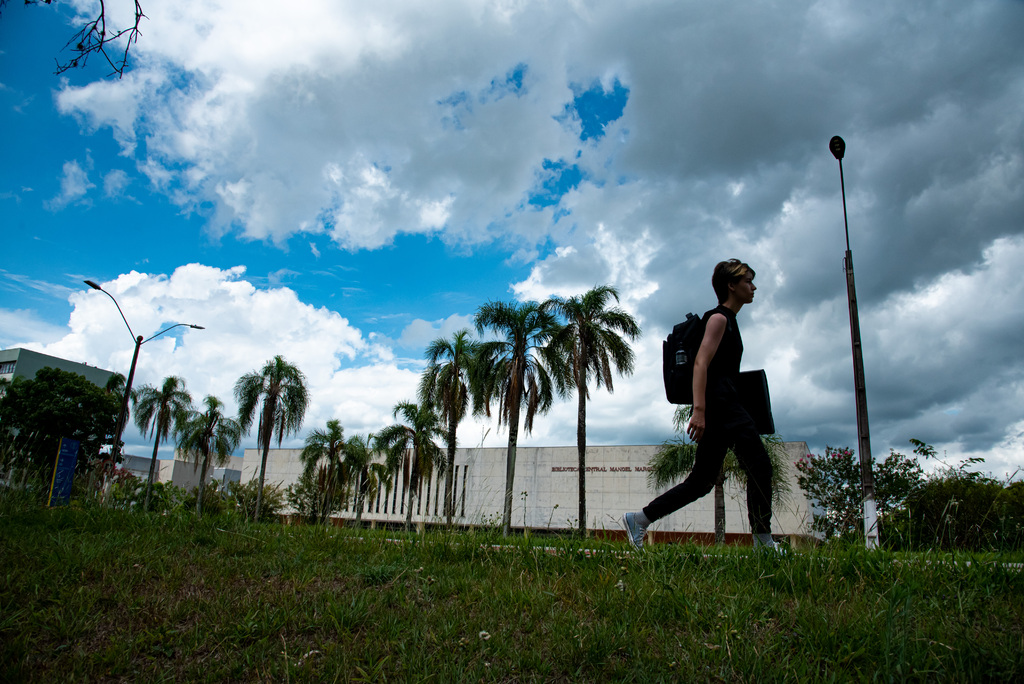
326,449
282,389
158,411
206,434
368,474
446,385
674,459
590,342
514,370
115,386
410,446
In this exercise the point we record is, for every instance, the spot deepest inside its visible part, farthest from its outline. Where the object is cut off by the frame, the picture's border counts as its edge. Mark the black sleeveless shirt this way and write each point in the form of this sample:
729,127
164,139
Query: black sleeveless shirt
724,369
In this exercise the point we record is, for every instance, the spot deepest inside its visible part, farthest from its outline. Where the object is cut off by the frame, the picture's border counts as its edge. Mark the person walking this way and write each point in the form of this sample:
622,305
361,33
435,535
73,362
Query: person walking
719,420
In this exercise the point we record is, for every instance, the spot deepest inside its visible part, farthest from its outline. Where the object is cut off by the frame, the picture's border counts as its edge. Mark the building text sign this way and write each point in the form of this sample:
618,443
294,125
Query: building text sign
602,469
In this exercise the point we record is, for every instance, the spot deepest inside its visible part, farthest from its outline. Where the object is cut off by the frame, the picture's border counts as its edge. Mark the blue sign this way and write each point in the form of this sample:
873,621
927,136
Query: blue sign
64,472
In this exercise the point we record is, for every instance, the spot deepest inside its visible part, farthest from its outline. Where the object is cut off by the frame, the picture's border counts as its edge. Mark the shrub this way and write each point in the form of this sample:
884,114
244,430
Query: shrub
126,495
955,512
130,494
1010,511
311,499
214,499
242,497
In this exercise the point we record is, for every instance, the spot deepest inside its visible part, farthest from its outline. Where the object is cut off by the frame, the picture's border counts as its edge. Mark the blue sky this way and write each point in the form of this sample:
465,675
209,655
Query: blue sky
99,235
343,183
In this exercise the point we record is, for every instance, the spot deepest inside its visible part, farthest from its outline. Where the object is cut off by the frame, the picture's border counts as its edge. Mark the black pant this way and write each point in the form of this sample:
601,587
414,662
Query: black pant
728,425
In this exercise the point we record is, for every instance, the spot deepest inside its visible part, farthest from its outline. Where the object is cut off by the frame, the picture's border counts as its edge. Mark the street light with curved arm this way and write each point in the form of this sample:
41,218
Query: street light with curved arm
139,341
837,146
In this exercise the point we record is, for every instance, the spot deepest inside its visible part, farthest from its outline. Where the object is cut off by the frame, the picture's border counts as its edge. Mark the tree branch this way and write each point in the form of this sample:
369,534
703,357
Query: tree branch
94,38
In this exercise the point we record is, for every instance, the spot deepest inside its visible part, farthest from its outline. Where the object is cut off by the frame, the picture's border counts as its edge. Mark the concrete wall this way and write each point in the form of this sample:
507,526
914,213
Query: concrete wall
182,473
616,483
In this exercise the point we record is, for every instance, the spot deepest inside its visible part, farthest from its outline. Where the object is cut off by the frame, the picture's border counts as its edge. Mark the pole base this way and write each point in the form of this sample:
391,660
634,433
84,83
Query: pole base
870,523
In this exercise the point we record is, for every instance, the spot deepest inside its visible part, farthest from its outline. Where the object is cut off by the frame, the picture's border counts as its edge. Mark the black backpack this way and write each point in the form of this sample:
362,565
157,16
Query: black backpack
678,352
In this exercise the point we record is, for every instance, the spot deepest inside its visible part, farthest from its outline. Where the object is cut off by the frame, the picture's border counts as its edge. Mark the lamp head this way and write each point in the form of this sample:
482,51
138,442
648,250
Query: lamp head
93,285
837,146
196,327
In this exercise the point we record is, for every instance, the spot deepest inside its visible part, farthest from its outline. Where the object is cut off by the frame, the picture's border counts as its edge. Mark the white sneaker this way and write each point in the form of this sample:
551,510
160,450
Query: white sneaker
634,532
771,545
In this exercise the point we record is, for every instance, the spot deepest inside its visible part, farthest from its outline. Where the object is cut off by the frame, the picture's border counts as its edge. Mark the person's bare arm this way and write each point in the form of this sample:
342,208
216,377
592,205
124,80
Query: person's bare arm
713,333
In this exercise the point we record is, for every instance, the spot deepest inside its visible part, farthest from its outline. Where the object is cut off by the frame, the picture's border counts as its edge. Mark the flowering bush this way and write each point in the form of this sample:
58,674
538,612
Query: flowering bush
833,483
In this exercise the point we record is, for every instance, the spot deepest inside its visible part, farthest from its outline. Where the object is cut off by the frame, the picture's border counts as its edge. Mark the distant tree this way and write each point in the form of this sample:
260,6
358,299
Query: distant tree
833,483
324,456
95,36
674,460
514,370
310,497
160,411
369,475
35,413
446,385
410,448
243,498
591,344
279,391
206,435
115,386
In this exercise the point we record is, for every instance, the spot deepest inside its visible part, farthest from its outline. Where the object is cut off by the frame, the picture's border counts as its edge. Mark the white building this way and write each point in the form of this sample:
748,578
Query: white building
546,492
179,472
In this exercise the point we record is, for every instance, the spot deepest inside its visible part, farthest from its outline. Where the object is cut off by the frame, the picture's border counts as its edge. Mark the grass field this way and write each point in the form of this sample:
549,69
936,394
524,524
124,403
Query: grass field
102,595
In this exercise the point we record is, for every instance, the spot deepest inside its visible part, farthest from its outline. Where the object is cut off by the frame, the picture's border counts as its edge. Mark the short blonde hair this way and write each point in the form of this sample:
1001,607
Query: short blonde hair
728,273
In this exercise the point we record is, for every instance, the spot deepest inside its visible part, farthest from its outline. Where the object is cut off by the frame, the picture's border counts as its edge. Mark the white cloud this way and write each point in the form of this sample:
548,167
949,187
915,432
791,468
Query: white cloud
115,183
74,186
419,333
244,327
20,328
608,258
21,282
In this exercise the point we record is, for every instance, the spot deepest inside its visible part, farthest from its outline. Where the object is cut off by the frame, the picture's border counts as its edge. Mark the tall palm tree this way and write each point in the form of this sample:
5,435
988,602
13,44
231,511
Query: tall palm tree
158,411
590,343
514,369
674,460
205,435
326,448
446,385
410,447
279,388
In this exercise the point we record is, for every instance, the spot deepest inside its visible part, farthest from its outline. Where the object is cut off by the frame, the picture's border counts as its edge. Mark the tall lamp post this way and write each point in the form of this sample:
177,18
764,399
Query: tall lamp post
139,341
838,148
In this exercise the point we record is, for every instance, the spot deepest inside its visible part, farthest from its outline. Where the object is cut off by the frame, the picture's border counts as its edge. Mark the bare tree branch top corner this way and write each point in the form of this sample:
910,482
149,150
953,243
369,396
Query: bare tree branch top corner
95,37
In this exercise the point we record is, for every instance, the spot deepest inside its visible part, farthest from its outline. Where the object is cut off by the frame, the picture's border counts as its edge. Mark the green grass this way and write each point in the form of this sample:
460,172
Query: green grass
103,595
